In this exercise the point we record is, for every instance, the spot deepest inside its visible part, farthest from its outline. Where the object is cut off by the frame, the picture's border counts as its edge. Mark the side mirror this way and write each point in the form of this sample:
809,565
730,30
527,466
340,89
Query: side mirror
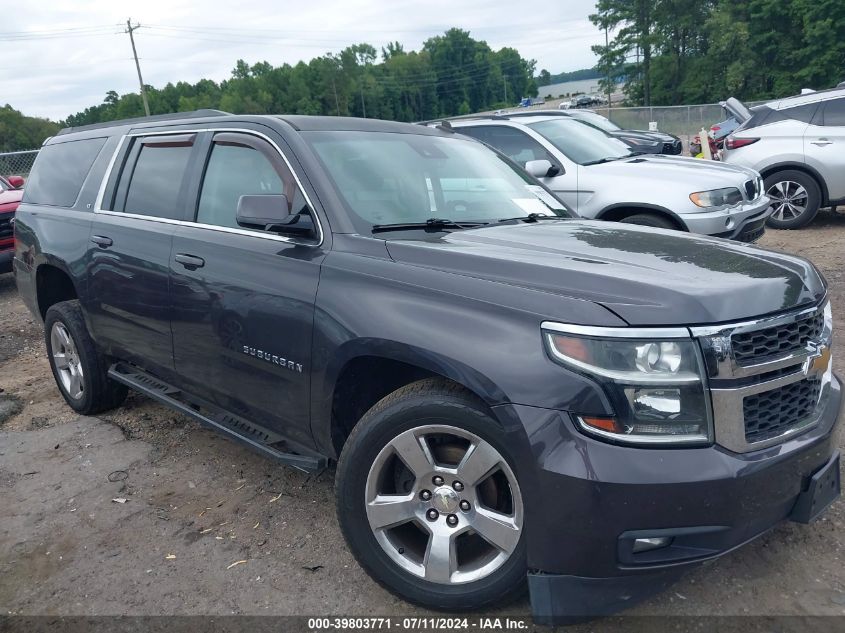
542,168
16,181
270,213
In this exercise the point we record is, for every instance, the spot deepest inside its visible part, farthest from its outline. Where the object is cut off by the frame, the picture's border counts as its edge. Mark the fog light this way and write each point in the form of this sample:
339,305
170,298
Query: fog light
647,544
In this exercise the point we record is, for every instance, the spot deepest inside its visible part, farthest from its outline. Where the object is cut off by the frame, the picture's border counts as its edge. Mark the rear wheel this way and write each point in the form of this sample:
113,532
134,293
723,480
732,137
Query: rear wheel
649,219
428,501
796,198
79,369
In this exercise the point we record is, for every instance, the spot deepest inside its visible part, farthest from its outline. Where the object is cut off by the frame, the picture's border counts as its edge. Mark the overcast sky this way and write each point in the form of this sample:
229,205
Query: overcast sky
58,57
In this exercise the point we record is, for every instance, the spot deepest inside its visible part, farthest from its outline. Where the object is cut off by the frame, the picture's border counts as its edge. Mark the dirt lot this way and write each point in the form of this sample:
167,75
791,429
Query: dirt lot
211,528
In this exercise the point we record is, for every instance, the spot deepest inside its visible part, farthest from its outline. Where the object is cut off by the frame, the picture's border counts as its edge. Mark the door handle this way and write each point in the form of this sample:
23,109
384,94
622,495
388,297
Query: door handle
821,141
102,241
191,262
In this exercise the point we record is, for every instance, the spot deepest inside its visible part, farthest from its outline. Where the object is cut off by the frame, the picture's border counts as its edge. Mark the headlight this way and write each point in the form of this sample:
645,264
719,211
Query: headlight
716,197
654,385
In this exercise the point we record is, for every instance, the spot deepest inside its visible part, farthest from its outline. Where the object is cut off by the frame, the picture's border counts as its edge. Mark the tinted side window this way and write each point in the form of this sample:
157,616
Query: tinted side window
834,113
802,113
60,170
156,180
242,165
515,144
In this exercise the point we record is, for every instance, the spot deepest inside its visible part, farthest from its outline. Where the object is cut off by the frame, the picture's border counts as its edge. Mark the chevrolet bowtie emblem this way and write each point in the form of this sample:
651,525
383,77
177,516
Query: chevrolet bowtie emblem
820,363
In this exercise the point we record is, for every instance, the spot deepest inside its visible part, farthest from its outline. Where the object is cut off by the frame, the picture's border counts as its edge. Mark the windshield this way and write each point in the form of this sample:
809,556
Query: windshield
581,143
388,178
598,120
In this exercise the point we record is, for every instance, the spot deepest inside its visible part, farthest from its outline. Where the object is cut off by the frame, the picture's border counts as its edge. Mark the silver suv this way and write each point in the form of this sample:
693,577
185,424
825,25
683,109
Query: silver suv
600,177
798,145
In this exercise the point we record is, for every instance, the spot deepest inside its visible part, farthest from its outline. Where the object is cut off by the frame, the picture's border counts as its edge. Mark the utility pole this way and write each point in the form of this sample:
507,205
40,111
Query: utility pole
334,87
505,84
607,78
129,29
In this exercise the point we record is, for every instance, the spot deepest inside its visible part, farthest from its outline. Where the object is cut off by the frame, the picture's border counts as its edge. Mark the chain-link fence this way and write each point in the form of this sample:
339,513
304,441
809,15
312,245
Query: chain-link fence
17,163
678,120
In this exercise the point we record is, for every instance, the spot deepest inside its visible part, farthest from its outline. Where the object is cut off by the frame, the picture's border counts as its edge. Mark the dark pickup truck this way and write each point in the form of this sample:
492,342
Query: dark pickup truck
510,393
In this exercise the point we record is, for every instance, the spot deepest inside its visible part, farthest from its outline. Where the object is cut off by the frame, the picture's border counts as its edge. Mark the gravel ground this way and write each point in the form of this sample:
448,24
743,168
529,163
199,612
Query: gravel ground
209,527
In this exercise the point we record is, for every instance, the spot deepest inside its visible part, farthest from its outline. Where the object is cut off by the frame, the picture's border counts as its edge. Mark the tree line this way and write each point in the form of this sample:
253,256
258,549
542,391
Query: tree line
452,74
672,52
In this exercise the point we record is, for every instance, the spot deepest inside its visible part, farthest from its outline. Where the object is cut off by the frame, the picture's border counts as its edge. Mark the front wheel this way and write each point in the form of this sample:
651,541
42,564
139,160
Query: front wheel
796,198
649,219
428,501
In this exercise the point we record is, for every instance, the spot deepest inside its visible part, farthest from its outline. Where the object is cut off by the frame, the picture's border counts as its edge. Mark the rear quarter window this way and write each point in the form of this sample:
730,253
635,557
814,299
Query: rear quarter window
60,170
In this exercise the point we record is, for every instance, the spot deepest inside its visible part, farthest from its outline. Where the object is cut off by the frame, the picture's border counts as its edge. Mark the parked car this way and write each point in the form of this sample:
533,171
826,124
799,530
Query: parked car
10,196
797,145
638,140
599,177
392,297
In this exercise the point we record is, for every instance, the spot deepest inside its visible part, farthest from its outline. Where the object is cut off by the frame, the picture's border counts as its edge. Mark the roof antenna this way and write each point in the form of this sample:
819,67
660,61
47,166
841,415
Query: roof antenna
446,127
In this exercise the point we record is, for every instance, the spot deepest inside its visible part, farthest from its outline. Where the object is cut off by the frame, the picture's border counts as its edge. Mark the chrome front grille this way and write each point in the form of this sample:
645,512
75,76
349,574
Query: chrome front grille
768,378
750,189
757,346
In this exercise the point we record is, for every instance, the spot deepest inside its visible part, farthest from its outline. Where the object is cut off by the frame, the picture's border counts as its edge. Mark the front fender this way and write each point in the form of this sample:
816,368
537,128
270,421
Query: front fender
481,334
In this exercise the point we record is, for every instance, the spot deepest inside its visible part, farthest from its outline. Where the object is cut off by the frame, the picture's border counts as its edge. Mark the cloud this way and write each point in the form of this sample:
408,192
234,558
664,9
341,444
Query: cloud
55,72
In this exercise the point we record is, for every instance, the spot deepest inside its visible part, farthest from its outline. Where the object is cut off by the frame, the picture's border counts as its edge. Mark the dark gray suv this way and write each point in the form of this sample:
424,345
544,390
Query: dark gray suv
510,394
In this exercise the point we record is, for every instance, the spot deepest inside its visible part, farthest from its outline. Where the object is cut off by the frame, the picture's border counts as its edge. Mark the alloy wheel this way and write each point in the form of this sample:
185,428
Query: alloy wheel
66,360
789,200
444,504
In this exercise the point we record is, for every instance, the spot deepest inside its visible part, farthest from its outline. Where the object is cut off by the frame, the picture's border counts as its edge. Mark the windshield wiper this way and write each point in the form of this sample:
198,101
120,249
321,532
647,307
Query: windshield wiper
606,159
533,217
430,224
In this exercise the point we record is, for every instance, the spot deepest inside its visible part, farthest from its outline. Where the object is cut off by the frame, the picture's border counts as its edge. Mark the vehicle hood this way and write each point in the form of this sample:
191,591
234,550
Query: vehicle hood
698,174
646,276
10,196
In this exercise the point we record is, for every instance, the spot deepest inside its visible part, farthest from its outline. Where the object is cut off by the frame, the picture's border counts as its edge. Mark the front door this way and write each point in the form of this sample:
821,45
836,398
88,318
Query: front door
243,299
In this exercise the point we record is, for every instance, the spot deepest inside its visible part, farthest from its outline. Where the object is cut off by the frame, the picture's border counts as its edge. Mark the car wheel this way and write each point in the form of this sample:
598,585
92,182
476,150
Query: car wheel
429,502
650,219
79,369
796,198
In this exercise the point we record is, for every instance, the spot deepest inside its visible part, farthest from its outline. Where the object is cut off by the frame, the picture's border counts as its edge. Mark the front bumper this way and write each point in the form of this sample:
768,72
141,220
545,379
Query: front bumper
593,498
744,222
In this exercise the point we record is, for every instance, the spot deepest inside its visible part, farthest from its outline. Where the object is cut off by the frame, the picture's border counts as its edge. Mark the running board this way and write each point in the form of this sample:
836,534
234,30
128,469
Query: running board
258,438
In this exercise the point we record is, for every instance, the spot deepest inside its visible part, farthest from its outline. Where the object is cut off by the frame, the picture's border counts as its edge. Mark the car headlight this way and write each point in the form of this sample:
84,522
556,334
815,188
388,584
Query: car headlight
654,385
716,197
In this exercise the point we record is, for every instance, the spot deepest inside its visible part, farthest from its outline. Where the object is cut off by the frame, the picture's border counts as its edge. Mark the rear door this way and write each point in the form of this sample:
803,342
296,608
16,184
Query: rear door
131,235
243,299
824,145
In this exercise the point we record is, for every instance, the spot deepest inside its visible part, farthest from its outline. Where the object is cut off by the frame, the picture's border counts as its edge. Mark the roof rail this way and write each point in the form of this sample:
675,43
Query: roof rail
195,114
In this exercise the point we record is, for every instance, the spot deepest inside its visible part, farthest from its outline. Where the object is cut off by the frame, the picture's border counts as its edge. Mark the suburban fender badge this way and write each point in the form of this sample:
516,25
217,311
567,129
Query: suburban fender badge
273,359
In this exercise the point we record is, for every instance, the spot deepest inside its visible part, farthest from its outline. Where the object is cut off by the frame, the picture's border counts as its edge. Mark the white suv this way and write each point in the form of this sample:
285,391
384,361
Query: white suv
599,177
798,146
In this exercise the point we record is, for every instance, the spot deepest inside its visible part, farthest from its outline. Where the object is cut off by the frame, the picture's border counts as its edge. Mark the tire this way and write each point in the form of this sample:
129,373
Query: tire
397,556
78,368
650,219
796,198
